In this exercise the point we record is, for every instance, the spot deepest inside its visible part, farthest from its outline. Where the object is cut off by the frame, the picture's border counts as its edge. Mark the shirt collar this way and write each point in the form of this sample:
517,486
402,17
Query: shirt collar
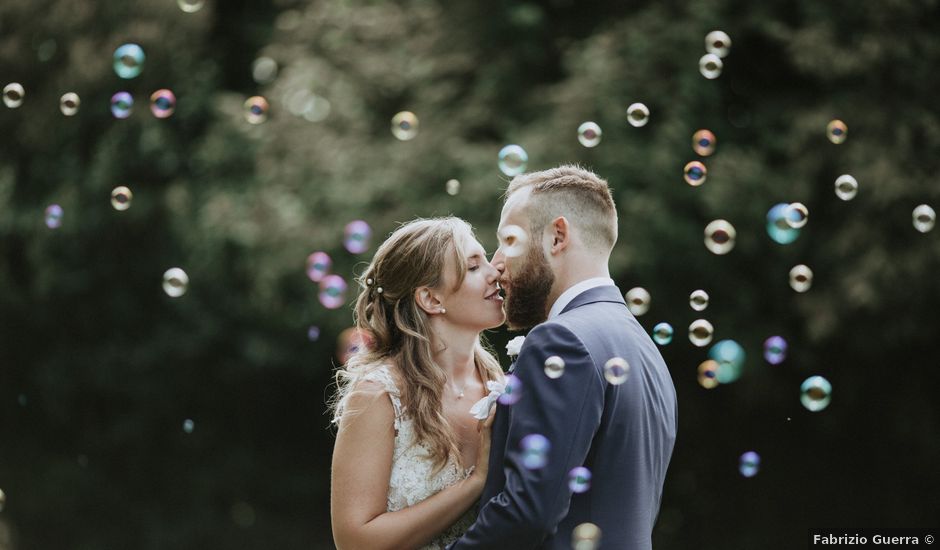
576,289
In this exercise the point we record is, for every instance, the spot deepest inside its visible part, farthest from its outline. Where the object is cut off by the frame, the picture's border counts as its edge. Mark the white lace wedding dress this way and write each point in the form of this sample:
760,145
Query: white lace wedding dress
413,478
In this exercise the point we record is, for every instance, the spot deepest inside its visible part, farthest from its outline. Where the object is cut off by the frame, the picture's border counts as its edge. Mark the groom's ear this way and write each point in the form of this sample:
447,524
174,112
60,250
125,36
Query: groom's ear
428,300
560,233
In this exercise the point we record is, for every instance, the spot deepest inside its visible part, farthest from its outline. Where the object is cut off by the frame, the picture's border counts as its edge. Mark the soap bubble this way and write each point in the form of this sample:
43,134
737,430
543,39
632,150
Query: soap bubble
719,237
513,241
837,131
264,70
53,216
718,43
730,358
703,142
710,66
332,291
318,266
695,173
69,103
356,236
779,227
256,109
188,426
513,160
586,536
662,334
589,134
579,479
775,350
554,367
749,464
708,374
638,300
512,392
796,215
815,393
638,115
129,60
535,449
121,198
13,94
121,105
405,125
698,300
701,332
801,278
616,370
190,6
175,282
162,103
924,218
846,187
452,187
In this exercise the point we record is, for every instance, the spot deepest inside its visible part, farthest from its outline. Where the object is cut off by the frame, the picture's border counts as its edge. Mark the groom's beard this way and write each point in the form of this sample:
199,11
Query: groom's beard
527,299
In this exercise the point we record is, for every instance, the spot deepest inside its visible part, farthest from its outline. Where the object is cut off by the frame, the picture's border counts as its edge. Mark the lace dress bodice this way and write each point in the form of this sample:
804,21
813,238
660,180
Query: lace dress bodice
413,478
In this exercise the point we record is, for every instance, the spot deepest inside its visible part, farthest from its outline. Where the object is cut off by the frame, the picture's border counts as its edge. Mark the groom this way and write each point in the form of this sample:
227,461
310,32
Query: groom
622,431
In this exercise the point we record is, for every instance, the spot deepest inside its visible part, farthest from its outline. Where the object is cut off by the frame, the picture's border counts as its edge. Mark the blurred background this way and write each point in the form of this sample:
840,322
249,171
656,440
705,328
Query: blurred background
150,410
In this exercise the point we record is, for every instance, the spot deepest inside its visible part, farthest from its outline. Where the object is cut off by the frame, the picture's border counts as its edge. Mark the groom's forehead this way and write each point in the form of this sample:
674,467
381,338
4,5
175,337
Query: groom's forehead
514,207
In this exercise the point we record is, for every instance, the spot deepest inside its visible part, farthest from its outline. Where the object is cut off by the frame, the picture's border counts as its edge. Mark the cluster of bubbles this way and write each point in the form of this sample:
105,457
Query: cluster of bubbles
405,125
513,160
729,357
749,464
638,300
718,45
589,134
535,448
175,282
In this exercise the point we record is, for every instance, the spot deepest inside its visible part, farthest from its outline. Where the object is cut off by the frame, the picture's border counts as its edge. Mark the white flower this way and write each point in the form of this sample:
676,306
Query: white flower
514,345
481,409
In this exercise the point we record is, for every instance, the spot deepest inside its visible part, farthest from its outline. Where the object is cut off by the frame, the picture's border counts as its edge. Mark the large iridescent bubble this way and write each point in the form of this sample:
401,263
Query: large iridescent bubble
815,393
513,160
332,291
356,236
730,358
129,60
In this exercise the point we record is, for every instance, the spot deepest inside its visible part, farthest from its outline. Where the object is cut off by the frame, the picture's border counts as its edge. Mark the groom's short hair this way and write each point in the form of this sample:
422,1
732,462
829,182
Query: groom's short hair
575,193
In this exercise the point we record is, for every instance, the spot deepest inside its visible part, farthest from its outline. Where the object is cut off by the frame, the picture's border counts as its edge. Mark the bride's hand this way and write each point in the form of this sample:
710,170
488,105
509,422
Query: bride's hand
483,451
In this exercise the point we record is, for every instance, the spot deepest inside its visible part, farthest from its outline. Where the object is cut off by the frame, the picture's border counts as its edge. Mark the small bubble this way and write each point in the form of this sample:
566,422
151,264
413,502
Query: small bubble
719,237
779,226
730,358
698,300
69,103
318,266
121,198
586,536
175,282
801,278
662,334
775,350
356,236
703,143
13,94
924,218
121,105
815,393
129,60
313,333
54,215
188,426
554,367
710,66
796,215
332,291
695,173
837,131
718,43
513,160
162,103
708,374
264,70
638,300
846,187
256,109
452,186
638,115
701,332
405,125
513,241
535,448
749,464
579,479
190,6
512,392
589,134
616,370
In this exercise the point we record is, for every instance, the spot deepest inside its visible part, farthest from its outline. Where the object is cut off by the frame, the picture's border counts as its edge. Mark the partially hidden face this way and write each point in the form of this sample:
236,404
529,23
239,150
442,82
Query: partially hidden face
476,303
526,275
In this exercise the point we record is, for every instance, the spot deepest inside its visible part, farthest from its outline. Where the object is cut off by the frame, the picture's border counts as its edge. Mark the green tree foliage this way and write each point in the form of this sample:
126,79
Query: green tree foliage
99,368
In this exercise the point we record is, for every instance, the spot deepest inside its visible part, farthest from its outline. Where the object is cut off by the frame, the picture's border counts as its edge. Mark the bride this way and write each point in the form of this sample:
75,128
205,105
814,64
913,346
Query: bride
410,462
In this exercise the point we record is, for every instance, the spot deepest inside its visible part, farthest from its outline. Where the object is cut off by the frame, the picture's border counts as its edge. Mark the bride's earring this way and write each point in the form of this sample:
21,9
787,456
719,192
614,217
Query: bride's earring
443,311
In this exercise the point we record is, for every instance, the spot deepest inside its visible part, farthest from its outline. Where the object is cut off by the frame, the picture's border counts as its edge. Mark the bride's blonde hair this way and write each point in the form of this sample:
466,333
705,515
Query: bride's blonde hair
415,255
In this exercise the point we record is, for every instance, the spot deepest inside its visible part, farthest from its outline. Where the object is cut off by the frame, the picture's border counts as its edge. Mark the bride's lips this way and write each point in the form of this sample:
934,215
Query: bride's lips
494,296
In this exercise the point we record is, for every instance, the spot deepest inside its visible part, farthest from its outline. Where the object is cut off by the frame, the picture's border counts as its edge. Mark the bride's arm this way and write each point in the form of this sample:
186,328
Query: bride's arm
362,465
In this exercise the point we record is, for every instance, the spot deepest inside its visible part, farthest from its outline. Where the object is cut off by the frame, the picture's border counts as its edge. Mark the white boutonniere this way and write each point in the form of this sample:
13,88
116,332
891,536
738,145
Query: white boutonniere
514,345
481,409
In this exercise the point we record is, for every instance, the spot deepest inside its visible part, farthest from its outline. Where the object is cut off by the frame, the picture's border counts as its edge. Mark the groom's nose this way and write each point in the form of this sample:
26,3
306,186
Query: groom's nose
499,261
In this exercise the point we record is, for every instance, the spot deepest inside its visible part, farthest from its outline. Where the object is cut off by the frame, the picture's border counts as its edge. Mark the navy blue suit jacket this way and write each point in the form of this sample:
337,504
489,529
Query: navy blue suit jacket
624,434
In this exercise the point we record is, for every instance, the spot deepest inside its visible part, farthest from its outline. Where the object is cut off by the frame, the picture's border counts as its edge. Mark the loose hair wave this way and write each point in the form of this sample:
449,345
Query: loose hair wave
415,255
